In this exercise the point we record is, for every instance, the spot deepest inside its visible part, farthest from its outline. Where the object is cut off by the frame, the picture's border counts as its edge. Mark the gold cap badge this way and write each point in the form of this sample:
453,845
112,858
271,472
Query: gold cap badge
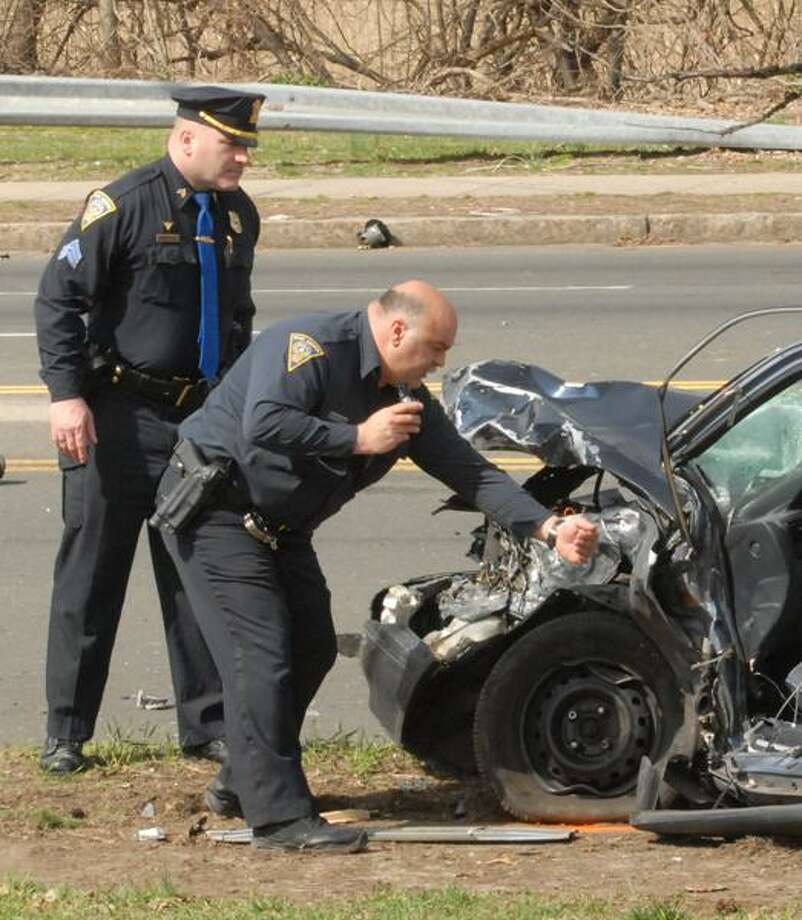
255,109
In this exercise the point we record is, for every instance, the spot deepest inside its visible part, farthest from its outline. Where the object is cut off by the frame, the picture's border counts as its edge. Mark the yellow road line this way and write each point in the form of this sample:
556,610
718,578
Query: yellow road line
435,386
511,464
23,465
22,390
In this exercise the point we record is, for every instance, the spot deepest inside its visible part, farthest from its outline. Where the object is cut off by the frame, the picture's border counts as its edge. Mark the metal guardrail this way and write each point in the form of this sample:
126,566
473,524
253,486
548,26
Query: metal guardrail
141,103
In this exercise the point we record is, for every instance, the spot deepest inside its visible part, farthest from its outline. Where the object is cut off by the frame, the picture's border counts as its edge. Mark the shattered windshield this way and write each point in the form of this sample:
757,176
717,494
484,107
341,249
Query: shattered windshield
761,448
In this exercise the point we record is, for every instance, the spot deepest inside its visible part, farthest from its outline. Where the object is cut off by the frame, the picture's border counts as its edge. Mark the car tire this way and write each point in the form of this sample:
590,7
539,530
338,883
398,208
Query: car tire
567,713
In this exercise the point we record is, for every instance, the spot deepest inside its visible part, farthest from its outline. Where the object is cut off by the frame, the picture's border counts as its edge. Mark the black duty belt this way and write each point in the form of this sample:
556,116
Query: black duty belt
180,392
199,484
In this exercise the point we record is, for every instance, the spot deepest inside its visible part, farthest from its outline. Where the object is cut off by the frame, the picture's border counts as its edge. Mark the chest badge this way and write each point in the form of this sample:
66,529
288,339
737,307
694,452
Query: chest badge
98,205
168,237
235,222
302,348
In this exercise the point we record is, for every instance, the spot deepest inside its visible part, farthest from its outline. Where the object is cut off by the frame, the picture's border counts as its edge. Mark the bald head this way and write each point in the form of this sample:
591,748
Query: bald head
413,325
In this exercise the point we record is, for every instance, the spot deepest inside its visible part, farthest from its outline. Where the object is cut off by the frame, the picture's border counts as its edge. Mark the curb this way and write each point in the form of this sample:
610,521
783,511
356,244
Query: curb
519,230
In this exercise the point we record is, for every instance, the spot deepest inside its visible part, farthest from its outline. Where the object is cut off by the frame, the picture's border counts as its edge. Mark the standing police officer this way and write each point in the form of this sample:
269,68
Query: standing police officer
308,416
159,262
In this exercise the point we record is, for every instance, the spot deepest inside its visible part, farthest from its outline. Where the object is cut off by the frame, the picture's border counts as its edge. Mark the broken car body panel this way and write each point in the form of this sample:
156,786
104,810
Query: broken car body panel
614,425
659,648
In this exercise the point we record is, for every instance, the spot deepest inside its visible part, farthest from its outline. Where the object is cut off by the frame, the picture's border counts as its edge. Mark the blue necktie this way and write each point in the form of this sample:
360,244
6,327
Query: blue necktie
209,333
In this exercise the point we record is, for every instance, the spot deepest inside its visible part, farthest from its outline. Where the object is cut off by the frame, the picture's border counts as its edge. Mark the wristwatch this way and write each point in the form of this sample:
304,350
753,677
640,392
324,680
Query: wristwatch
551,533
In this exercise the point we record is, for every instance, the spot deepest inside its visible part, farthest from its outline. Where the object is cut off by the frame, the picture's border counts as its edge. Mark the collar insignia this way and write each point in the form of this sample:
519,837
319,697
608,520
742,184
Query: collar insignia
98,205
235,222
181,192
302,348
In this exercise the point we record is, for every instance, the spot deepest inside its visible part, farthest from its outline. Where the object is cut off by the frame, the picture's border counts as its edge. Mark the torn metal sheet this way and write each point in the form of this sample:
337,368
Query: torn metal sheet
516,578
434,834
507,405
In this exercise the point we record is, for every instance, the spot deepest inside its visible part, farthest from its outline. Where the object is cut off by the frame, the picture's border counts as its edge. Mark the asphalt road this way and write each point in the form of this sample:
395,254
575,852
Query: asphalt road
584,313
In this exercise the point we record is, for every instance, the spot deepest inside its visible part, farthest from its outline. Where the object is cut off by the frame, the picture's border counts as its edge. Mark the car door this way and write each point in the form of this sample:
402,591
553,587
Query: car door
745,449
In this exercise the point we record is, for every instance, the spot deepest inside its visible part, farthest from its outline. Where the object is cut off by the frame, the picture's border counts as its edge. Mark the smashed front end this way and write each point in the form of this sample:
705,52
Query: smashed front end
433,642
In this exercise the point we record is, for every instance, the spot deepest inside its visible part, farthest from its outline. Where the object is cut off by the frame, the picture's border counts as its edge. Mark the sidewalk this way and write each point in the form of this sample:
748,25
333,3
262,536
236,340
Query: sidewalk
484,209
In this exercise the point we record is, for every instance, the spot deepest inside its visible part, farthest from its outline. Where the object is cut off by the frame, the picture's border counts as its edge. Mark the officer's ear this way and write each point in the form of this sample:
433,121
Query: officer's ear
398,329
187,140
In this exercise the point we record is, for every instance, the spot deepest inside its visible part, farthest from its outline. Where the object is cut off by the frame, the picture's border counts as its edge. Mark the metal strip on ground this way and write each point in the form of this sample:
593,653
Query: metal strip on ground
441,833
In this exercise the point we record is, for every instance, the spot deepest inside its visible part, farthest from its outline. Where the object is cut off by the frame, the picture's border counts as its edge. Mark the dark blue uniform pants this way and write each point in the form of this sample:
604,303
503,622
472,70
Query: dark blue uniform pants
266,617
105,504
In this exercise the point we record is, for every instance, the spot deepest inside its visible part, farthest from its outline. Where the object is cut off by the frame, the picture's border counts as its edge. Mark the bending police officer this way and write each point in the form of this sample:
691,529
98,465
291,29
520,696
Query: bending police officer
307,417
159,262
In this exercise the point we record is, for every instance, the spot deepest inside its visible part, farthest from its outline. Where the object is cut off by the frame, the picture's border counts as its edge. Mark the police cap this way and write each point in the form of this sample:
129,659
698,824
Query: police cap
232,112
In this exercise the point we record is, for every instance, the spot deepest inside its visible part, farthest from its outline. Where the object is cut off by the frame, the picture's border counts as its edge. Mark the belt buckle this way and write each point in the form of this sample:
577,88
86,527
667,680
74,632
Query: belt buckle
186,389
259,529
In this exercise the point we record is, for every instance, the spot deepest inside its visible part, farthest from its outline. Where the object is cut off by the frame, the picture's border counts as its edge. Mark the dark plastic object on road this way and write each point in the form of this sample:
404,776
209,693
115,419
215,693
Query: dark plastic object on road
375,235
679,642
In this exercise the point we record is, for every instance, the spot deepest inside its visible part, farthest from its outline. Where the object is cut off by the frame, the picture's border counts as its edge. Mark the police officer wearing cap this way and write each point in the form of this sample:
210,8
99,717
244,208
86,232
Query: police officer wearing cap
307,417
144,305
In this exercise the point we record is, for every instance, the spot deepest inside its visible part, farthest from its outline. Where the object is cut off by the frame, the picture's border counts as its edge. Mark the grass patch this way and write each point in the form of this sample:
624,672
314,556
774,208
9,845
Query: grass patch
35,152
25,899
44,819
341,753
122,749
359,759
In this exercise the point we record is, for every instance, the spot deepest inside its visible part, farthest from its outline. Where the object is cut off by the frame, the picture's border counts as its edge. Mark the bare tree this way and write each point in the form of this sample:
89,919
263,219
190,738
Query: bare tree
666,53
110,46
19,53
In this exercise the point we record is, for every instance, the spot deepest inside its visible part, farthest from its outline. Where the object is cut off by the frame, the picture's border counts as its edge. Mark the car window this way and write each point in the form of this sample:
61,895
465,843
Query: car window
761,448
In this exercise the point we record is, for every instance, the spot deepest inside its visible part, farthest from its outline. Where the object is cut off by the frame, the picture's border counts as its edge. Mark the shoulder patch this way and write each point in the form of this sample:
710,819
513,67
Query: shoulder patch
98,205
302,348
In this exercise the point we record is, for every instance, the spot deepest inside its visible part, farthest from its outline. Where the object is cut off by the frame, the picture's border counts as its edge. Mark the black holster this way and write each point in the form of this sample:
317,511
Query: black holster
179,500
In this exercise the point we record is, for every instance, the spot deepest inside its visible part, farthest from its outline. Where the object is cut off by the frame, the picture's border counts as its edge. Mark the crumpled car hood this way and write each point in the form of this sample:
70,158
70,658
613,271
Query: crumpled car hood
613,425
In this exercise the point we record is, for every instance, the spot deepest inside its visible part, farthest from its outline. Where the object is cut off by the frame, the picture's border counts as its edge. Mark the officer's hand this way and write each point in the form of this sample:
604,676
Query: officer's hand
577,539
72,427
386,429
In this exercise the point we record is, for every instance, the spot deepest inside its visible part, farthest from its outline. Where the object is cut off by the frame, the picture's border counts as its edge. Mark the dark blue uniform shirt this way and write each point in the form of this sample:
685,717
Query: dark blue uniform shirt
287,412
130,264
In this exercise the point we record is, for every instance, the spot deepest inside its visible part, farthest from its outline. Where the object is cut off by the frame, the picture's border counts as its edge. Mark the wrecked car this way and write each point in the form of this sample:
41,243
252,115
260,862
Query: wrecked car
679,645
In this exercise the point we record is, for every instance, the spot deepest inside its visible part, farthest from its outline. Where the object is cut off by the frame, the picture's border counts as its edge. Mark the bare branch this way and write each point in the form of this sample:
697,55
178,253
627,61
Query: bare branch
787,100
757,73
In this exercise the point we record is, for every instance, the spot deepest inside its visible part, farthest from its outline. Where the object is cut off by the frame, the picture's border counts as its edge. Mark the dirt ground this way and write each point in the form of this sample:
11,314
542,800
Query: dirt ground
278,209
695,162
105,808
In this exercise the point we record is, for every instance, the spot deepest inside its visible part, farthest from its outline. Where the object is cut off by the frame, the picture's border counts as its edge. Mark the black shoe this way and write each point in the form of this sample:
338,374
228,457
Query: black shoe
313,834
215,750
222,800
60,755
